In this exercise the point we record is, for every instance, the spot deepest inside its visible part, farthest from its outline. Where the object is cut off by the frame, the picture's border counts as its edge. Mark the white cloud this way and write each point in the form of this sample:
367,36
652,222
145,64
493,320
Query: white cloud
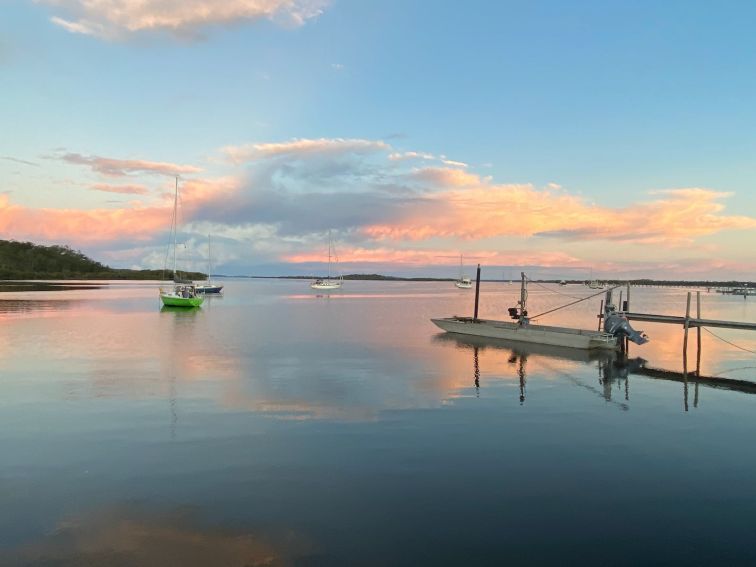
302,147
116,19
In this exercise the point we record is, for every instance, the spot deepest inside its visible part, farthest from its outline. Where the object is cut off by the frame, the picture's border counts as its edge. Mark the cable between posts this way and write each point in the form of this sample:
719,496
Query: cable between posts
575,302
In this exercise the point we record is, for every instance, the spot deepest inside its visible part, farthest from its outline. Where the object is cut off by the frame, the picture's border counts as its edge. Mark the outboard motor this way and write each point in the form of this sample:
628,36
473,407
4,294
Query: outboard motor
617,325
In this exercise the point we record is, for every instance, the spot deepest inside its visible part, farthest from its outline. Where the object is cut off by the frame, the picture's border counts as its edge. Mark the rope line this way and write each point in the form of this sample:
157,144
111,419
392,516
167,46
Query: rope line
553,290
730,370
574,302
728,342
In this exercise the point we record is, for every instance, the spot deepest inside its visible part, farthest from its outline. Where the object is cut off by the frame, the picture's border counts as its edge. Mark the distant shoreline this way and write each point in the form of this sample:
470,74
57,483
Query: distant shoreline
156,275
638,282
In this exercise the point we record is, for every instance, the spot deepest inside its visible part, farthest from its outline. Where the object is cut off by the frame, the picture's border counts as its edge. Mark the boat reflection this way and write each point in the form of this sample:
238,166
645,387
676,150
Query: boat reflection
519,353
613,369
179,311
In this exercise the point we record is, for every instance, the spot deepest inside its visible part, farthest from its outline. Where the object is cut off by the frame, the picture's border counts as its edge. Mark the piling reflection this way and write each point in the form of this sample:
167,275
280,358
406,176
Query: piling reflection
519,355
613,369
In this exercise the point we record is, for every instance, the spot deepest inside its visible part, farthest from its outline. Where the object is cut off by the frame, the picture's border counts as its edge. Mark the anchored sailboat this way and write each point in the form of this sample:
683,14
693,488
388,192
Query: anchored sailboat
523,330
181,294
594,284
208,286
328,283
463,282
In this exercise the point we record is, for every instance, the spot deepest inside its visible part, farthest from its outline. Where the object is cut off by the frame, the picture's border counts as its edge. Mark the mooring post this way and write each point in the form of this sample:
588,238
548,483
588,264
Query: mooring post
627,301
698,333
685,339
477,294
600,315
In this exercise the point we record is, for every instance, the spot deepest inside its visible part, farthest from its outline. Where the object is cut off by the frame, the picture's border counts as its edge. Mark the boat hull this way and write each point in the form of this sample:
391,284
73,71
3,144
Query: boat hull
463,285
175,301
539,334
209,289
334,285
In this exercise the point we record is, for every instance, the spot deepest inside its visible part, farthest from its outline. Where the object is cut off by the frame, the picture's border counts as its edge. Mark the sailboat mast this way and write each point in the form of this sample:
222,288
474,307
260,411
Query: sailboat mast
523,300
175,226
209,258
460,266
329,254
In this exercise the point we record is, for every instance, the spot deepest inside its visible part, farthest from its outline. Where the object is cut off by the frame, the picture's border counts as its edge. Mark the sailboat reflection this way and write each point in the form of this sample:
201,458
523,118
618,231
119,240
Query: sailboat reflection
614,368
180,311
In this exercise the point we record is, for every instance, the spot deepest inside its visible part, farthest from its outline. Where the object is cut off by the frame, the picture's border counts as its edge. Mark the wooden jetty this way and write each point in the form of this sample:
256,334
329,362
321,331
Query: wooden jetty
690,321
687,322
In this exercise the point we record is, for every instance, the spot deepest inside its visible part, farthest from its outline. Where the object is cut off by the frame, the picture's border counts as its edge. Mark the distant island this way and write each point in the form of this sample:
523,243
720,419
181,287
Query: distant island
365,277
28,261
636,282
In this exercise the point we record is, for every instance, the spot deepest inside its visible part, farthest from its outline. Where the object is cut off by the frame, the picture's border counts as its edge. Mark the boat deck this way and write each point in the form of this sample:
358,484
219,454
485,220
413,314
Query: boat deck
541,334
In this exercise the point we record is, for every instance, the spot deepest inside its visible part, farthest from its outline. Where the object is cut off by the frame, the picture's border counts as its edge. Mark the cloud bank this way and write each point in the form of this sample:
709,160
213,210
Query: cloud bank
387,206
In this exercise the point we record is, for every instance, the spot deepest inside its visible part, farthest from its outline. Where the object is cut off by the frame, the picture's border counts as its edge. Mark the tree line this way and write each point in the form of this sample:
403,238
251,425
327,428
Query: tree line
28,261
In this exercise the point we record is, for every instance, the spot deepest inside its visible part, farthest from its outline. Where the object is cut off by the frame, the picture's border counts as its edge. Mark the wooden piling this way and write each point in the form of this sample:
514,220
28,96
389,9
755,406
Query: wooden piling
698,333
477,294
600,315
686,325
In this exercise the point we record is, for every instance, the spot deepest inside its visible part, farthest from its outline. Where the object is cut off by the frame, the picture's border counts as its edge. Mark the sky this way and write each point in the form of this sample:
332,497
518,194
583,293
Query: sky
570,139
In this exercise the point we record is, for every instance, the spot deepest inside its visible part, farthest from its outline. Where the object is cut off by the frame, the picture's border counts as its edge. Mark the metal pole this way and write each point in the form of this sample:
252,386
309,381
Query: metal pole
175,226
477,294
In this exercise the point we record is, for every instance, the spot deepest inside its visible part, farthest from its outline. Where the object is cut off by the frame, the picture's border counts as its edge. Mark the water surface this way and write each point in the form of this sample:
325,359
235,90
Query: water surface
276,426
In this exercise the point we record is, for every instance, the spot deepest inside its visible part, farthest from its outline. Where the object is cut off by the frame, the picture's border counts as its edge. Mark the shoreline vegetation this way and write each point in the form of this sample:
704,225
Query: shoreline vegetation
24,261
28,261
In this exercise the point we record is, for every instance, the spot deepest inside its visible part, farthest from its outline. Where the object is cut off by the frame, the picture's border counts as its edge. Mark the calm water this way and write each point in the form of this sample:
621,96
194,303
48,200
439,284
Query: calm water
276,427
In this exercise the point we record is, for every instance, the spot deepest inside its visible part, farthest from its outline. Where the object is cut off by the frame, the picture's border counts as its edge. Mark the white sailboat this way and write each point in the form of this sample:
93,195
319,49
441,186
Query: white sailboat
463,282
594,284
328,283
208,286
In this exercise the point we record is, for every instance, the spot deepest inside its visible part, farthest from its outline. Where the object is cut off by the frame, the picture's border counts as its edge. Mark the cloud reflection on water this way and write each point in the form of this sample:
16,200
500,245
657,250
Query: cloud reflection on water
370,352
128,535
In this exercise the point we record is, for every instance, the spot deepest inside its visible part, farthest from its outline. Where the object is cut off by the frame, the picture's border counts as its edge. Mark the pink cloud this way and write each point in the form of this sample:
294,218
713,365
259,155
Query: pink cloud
80,226
124,189
466,206
116,19
120,167
360,255
134,221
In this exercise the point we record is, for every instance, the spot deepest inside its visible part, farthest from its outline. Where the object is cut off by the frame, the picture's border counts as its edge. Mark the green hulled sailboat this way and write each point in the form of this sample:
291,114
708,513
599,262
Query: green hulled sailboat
181,294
